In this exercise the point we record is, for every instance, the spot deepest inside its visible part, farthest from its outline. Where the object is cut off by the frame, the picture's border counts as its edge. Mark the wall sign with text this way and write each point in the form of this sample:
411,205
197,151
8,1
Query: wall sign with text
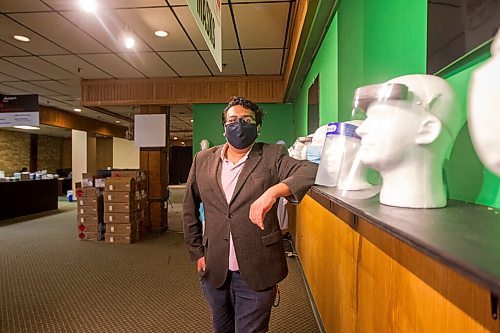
207,14
19,110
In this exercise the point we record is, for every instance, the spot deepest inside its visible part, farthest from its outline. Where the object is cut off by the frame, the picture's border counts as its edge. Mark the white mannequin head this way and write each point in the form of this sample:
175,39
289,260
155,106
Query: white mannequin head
407,141
484,109
204,144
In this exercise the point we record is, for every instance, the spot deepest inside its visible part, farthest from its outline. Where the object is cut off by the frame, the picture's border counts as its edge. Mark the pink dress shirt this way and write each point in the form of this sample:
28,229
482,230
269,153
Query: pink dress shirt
229,177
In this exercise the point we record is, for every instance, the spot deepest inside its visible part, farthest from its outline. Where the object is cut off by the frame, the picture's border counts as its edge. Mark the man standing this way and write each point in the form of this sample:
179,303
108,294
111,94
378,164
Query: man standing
240,257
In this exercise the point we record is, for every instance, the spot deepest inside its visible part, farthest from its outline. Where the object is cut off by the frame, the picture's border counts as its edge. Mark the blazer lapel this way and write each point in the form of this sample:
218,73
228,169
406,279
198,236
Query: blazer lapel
215,174
253,160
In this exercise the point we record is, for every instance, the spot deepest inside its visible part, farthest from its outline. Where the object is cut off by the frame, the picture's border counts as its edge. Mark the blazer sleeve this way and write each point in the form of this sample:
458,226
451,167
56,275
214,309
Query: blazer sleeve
298,175
193,229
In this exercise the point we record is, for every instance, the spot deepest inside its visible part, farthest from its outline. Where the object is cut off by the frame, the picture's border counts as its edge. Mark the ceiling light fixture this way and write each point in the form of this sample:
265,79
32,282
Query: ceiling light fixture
21,38
161,33
88,5
117,121
77,110
129,42
27,127
175,138
192,120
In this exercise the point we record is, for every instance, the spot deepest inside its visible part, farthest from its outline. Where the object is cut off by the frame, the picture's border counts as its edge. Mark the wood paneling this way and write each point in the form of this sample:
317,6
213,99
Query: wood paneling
181,90
365,280
104,153
58,118
298,24
155,162
403,290
328,250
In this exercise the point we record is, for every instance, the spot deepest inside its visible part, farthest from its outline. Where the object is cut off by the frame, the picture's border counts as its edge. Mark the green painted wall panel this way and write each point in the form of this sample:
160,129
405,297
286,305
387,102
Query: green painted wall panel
325,65
277,124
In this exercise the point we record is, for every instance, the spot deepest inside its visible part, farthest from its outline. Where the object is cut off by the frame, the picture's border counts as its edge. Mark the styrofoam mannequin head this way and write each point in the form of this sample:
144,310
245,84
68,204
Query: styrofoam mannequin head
484,109
408,140
204,144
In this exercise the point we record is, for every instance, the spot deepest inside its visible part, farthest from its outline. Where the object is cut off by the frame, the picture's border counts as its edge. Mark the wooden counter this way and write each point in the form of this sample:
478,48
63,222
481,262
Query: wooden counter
375,268
21,198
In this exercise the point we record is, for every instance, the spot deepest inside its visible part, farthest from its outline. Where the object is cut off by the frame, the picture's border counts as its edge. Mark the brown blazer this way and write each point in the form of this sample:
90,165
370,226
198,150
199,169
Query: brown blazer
260,253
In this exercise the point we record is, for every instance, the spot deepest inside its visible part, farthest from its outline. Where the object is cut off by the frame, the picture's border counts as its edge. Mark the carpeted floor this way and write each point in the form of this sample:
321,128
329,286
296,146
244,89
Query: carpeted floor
52,282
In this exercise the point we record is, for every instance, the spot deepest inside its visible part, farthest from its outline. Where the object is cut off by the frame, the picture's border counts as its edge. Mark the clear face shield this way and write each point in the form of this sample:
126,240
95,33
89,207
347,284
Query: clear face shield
340,166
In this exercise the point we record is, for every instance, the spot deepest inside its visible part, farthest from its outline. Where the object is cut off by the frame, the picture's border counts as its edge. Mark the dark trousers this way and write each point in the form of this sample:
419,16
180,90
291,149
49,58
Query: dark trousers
238,308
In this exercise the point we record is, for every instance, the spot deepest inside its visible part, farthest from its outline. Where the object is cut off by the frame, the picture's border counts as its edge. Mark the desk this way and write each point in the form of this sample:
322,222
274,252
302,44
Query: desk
375,268
21,198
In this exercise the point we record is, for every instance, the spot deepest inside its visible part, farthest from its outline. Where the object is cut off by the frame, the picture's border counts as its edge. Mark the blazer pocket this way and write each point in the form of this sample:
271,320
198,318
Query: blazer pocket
272,238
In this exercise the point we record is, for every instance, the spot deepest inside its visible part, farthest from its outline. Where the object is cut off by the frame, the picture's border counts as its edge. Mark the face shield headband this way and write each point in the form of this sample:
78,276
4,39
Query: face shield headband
396,93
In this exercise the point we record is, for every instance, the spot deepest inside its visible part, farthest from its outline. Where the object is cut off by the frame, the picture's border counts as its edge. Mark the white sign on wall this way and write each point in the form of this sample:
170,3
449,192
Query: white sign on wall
19,110
19,119
207,14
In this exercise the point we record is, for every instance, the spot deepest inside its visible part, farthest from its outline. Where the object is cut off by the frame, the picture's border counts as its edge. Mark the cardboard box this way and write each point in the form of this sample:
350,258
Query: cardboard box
120,239
118,207
87,180
119,217
88,227
138,175
87,201
125,197
87,219
121,228
83,235
120,184
88,210
100,182
88,192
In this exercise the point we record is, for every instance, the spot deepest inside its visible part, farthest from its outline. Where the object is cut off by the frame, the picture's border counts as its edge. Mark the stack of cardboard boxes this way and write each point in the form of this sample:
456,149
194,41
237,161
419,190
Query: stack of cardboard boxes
125,204
90,220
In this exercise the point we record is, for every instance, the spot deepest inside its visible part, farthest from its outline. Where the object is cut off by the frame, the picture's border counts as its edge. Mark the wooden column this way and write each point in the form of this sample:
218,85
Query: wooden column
155,162
91,152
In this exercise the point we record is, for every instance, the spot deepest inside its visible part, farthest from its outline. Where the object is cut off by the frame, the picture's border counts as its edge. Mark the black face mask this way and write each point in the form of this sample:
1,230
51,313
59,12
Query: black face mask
241,134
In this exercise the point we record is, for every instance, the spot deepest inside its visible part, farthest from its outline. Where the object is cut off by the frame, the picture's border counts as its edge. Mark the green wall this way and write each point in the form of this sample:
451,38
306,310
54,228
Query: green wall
325,65
276,125
372,41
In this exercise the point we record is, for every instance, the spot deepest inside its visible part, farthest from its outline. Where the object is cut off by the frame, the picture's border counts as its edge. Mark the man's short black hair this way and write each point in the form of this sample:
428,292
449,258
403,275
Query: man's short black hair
247,104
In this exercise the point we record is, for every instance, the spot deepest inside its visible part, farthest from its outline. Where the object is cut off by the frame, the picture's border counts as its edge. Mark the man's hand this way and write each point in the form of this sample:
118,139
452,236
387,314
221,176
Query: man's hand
200,264
260,207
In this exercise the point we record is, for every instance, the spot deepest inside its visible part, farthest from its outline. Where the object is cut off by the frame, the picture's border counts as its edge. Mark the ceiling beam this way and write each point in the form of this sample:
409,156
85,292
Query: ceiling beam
187,90
57,118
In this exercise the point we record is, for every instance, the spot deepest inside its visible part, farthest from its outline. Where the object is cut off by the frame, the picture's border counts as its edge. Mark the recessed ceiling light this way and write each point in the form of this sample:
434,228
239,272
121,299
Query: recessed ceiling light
117,121
27,127
175,138
183,143
21,38
191,120
88,5
161,33
77,110
129,42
